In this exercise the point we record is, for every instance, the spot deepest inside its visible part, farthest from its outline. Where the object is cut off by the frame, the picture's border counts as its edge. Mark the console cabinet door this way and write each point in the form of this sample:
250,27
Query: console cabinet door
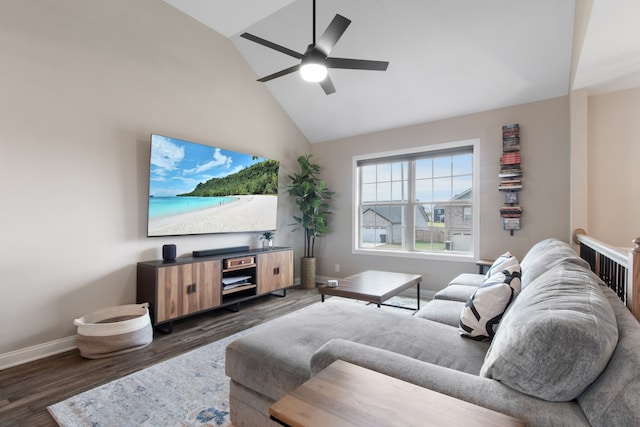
187,288
172,283
207,292
275,271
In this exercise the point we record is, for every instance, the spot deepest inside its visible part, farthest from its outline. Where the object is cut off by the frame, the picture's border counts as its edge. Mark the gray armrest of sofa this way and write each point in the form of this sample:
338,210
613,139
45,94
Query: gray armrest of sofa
471,388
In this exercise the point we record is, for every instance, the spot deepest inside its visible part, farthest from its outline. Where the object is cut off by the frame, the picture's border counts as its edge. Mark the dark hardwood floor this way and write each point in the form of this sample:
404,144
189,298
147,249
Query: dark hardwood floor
27,390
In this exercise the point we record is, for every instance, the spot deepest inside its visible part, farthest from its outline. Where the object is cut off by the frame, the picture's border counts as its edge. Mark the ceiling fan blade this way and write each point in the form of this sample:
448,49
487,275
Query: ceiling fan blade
272,45
280,73
357,64
332,34
327,85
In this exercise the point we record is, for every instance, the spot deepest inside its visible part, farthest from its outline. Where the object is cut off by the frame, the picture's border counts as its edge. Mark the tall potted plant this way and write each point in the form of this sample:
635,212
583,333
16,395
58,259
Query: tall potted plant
312,197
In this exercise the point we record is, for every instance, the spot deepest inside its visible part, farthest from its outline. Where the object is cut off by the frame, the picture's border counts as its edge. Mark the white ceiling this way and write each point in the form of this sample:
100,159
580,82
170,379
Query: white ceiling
610,57
447,58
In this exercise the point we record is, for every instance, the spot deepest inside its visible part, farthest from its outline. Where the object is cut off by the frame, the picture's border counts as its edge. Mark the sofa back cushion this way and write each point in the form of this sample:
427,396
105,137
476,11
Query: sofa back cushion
557,336
544,255
614,398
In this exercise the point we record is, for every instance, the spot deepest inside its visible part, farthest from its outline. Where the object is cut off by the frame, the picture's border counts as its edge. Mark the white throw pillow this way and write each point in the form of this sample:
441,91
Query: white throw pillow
496,266
484,309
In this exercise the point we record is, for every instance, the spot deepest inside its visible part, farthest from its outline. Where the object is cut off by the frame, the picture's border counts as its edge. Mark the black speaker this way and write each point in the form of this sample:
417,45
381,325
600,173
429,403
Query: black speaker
169,252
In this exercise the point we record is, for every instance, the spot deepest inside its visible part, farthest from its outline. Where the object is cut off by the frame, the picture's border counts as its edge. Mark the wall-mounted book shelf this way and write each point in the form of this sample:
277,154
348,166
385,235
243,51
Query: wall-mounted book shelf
511,177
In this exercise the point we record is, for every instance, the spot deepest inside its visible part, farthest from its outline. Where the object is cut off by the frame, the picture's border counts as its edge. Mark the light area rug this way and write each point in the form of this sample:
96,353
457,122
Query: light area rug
188,390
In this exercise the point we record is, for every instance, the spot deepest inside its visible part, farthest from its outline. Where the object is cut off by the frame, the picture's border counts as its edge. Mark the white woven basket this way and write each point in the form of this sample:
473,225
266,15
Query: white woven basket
114,330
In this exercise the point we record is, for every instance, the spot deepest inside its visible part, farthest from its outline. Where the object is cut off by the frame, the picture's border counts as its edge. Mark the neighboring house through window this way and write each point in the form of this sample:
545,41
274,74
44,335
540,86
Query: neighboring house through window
417,202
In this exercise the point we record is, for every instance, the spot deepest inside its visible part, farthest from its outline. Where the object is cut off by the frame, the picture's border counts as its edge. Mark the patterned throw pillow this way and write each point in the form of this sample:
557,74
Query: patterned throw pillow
497,264
484,309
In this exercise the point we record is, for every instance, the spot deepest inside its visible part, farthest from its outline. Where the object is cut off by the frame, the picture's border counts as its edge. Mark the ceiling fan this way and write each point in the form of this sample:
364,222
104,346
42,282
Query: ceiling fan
316,60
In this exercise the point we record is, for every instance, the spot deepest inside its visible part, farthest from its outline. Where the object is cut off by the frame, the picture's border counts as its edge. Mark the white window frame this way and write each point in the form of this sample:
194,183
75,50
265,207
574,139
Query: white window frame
355,209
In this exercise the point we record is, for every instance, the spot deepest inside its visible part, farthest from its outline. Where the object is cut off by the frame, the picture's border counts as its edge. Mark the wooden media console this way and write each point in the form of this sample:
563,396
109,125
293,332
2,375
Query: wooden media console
186,286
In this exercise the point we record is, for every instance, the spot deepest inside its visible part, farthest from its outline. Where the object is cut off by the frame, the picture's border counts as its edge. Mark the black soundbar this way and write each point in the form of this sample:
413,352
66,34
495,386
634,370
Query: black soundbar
211,252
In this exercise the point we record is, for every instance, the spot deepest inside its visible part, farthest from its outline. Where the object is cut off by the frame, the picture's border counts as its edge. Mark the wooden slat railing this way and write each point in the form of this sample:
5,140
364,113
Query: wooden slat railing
618,268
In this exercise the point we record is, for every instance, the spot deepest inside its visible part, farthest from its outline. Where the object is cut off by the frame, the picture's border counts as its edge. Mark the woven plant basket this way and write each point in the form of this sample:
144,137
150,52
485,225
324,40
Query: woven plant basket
308,272
114,330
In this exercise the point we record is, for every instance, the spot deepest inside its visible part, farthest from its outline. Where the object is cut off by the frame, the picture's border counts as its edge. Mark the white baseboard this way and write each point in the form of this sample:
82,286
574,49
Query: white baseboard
39,351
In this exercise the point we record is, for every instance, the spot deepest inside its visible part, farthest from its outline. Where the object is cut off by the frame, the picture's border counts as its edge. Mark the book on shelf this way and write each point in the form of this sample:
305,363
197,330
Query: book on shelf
510,173
511,212
512,181
511,144
511,158
511,131
511,209
510,187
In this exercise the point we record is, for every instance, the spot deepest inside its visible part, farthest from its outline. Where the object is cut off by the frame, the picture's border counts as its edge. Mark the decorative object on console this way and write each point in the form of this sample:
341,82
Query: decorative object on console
312,197
169,252
510,177
267,238
199,189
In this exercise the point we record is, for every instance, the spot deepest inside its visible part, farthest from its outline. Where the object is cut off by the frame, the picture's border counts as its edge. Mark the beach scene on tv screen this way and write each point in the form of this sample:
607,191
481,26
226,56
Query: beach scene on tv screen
199,189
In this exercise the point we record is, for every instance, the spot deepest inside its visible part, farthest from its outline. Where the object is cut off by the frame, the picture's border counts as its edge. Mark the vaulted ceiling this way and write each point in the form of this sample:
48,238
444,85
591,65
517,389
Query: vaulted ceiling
447,58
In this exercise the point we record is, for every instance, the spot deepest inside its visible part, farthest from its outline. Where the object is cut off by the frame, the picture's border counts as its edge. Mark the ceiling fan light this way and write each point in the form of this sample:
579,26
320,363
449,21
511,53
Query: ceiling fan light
313,72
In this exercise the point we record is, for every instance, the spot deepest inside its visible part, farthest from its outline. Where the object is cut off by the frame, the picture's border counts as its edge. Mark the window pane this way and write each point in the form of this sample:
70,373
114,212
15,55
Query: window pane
368,193
442,166
424,191
398,171
463,164
461,187
368,173
384,172
429,235
384,192
442,189
382,227
424,168
397,191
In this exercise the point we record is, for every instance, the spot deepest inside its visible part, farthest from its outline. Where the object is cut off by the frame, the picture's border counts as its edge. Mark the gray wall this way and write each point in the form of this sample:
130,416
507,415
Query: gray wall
83,85
614,149
544,132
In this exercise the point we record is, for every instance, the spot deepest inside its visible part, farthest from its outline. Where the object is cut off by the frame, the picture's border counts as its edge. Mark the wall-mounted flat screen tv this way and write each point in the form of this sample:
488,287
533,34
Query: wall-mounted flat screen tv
199,189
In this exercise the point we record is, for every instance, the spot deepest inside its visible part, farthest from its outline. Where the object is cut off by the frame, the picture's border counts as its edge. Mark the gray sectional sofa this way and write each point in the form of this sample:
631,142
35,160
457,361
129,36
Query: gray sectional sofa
565,353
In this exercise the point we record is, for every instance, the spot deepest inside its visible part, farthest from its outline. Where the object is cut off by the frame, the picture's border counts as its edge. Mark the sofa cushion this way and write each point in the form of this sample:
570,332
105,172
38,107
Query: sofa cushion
481,314
497,264
470,388
275,359
544,255
557,336
468,279
442,311
456,292
614,398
